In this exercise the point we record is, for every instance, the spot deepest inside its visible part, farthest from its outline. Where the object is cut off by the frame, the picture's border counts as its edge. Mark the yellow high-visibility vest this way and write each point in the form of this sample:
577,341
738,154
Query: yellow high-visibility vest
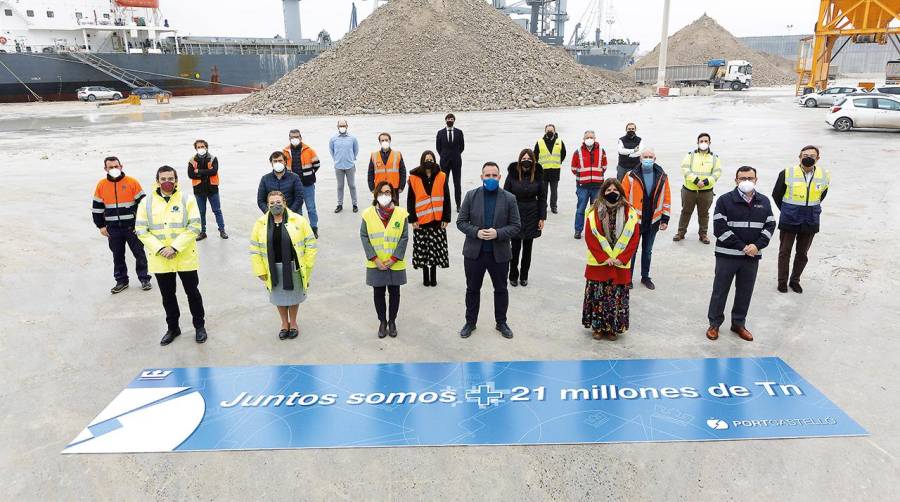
703,165
549,159
802,193
620,245
176,223
302,238
385,239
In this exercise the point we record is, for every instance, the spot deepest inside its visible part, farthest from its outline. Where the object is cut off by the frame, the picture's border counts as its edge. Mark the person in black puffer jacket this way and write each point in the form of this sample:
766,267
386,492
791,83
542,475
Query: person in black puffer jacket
526,181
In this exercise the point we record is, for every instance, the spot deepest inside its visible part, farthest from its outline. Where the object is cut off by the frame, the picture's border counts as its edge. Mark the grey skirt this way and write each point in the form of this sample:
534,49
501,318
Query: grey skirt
285,298
381,278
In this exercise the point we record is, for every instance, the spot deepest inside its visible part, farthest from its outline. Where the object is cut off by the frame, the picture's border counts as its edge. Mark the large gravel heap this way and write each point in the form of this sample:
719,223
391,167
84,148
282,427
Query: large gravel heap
705,39
414,56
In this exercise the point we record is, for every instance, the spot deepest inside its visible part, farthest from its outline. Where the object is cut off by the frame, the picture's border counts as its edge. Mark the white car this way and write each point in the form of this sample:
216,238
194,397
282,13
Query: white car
828,97
874,110
94,93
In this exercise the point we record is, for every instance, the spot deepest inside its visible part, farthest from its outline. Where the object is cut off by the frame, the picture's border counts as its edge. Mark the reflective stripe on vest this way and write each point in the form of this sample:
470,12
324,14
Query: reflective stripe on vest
385,239
689,179
550,159
213,180
429,207
621,243
162,226
802,193
389,171
587,173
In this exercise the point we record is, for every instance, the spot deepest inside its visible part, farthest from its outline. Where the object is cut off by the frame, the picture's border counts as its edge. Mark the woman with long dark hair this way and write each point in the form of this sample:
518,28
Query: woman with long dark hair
428,204
526,181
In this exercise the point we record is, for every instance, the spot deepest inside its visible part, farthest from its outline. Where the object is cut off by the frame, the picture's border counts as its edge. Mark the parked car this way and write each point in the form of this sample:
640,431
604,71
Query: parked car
874,110
891,89
828,97
148,92
93,93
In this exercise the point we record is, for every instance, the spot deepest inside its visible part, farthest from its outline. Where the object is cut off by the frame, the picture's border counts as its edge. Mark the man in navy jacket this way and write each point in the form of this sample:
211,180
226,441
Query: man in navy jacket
743,224
450,144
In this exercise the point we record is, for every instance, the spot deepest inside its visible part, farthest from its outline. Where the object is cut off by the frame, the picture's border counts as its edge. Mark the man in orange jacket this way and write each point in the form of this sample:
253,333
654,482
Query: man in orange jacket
303,160
647,190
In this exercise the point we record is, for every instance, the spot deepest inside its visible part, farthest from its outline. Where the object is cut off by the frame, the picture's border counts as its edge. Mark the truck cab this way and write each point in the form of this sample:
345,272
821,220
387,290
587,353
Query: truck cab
736,74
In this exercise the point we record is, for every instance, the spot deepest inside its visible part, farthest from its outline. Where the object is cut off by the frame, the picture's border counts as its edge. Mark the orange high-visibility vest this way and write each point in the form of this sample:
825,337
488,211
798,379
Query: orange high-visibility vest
308,157
634,194
429,207
213,180
387,171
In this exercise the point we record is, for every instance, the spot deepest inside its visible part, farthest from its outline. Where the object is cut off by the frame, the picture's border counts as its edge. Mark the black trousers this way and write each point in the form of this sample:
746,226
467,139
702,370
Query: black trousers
786,245
429,273
515,270
168,287
475,270
385,312
454,168
553,187
741,271
119,239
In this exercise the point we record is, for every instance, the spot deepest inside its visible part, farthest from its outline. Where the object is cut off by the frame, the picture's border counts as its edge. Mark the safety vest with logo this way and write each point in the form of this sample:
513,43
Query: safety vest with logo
385,238
308,159
174,223
633,184
302,237
613,251
591,165
549,159
115,201
387,171
213,180
802,200
703,165
429,207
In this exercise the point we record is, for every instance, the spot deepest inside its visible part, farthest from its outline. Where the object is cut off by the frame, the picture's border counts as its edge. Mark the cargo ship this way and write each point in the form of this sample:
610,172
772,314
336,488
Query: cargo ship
50,48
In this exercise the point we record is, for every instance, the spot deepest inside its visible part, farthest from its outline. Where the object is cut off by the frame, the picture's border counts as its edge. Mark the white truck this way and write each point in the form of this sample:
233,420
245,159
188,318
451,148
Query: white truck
735,75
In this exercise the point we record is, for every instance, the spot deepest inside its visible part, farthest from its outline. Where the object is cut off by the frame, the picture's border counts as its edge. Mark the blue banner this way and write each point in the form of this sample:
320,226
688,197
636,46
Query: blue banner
474,403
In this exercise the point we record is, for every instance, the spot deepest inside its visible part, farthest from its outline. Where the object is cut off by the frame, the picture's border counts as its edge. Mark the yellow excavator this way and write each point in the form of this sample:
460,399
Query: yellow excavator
844,21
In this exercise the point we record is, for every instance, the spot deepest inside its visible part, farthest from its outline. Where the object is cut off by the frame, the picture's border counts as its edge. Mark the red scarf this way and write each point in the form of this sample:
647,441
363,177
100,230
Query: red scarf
385,214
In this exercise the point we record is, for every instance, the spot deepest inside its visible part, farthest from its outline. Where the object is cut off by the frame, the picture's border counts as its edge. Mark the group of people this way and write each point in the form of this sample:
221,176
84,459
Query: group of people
500,221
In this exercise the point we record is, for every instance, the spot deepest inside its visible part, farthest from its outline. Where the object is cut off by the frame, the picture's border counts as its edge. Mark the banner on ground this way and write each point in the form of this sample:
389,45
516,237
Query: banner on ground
457,404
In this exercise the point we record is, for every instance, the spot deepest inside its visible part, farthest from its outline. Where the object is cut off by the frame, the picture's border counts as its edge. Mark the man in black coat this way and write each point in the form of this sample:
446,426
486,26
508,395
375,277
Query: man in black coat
489,217
450,144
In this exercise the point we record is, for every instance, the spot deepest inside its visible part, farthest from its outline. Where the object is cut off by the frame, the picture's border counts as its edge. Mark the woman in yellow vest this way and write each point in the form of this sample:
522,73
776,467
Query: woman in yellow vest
612,238
429,213
283,252
384,235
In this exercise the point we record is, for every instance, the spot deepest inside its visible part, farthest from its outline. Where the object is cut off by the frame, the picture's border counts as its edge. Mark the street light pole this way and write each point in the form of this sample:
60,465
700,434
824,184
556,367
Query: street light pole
663,47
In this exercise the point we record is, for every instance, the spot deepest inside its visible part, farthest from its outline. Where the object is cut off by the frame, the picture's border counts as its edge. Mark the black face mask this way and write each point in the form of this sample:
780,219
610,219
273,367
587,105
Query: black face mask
429,164
450,123
611,197
526,164
808,161
631,134
549,135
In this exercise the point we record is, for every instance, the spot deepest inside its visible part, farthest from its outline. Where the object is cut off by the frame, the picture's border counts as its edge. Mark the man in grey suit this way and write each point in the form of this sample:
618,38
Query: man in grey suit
489,217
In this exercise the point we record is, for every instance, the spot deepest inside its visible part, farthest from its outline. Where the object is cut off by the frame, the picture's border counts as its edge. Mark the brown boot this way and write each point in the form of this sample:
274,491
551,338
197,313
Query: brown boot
742,332
704,239
612,336
598,335
678,237
712,333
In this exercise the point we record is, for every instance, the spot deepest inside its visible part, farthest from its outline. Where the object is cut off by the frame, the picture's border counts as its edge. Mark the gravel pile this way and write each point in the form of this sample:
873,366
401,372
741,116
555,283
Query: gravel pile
705,39
413,56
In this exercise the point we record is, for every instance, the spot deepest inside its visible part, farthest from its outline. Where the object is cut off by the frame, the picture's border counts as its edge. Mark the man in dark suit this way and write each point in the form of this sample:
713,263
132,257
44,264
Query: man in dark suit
450,144
489,217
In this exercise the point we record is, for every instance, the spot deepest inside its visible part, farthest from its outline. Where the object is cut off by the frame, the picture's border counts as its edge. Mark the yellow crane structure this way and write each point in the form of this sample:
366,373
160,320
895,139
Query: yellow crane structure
856,21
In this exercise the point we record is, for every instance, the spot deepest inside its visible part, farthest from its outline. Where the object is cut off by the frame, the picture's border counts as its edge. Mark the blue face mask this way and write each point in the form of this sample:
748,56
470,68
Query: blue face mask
491,184
647,163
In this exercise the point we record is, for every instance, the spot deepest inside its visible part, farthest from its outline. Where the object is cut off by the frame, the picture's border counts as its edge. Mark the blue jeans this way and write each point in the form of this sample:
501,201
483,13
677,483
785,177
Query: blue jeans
216,209
646,244
585,196
309,198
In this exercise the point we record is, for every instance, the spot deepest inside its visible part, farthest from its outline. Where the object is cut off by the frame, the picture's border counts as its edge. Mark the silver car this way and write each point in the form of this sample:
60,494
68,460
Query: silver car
93,93
828,97
874,110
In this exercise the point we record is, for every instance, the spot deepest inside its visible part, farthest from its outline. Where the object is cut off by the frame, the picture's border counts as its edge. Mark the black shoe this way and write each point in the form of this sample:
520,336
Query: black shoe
316,232
200,337
282,334
392,329
168,337
382,329
293,333
782,288
648,283
222,234
433,282
339,208
504,330
554,210
523,282
355,208
513,282
577,235
146,286
467,330
201,236
119,287
795,287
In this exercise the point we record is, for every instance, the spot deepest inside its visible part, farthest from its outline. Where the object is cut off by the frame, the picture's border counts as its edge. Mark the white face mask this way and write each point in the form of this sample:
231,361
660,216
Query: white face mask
384,200
295,141
115,172
589,142
385,145
342,130
746,187
201,151
278,167
704,146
